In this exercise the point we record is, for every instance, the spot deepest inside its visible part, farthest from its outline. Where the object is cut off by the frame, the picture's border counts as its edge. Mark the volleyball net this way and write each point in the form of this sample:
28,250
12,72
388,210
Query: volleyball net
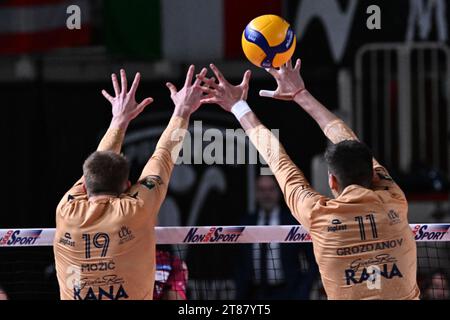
219,262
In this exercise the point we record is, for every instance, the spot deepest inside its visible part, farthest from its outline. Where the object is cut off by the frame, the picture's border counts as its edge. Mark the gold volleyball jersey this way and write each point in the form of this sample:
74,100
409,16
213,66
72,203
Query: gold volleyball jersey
362,241
105,247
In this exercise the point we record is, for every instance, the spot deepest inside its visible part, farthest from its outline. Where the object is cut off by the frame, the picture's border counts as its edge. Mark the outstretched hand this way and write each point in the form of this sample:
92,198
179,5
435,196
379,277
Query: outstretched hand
289,81
124,105
224,93
189,98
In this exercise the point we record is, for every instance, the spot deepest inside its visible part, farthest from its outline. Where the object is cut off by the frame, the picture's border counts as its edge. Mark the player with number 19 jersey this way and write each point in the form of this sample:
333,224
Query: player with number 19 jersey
105,247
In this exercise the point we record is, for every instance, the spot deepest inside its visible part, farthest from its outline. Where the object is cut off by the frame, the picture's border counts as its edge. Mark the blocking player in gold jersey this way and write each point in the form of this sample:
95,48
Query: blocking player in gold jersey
362,241
105,241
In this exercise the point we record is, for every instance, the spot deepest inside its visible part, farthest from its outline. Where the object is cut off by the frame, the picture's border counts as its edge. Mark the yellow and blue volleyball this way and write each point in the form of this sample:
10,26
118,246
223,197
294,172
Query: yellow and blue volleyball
268,41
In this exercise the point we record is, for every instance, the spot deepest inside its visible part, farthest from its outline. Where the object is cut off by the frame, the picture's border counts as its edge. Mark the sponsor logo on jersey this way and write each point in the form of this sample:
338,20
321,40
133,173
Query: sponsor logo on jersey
430,232
67,240
103,281
370,273
101,293
336,225
394,217
382,258
125,235
20,237
296,236
215,234
369,247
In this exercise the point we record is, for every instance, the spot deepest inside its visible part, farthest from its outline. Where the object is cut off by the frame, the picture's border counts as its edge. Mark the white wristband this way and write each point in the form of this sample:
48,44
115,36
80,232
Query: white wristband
240,109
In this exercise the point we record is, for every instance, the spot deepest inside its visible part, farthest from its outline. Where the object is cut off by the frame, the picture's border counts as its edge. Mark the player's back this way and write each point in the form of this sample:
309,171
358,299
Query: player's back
364,246
104,248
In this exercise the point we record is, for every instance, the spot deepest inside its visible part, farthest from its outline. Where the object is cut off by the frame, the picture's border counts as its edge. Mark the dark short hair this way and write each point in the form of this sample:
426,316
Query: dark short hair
105,172
350,161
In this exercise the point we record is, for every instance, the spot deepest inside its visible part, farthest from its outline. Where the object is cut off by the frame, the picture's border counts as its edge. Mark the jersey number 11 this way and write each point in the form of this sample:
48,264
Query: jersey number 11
373,226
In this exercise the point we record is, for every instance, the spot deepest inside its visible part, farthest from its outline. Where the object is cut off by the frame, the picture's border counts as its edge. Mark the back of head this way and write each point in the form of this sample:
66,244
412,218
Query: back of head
105,172
350,161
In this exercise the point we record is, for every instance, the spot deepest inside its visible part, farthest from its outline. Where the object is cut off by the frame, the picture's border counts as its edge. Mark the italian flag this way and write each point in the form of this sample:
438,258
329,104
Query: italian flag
181,30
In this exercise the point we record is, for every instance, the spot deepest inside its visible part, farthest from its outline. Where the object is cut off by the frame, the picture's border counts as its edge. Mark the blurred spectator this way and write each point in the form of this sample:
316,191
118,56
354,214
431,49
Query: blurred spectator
171,277
273,271
3,295
436,286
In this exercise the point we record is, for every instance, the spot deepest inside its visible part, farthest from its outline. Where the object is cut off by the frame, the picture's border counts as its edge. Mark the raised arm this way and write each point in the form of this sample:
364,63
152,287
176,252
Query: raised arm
290,86
298,194
124,109
159,167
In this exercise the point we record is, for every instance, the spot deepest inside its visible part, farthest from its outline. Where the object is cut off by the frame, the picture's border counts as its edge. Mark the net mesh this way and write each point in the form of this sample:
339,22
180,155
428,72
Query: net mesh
225,263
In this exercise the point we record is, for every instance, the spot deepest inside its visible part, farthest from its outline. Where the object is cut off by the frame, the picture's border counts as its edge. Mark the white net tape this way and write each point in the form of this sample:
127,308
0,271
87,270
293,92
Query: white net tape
215,235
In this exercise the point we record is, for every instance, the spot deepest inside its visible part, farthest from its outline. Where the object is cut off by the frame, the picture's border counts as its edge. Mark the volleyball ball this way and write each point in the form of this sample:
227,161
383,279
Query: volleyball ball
268,41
